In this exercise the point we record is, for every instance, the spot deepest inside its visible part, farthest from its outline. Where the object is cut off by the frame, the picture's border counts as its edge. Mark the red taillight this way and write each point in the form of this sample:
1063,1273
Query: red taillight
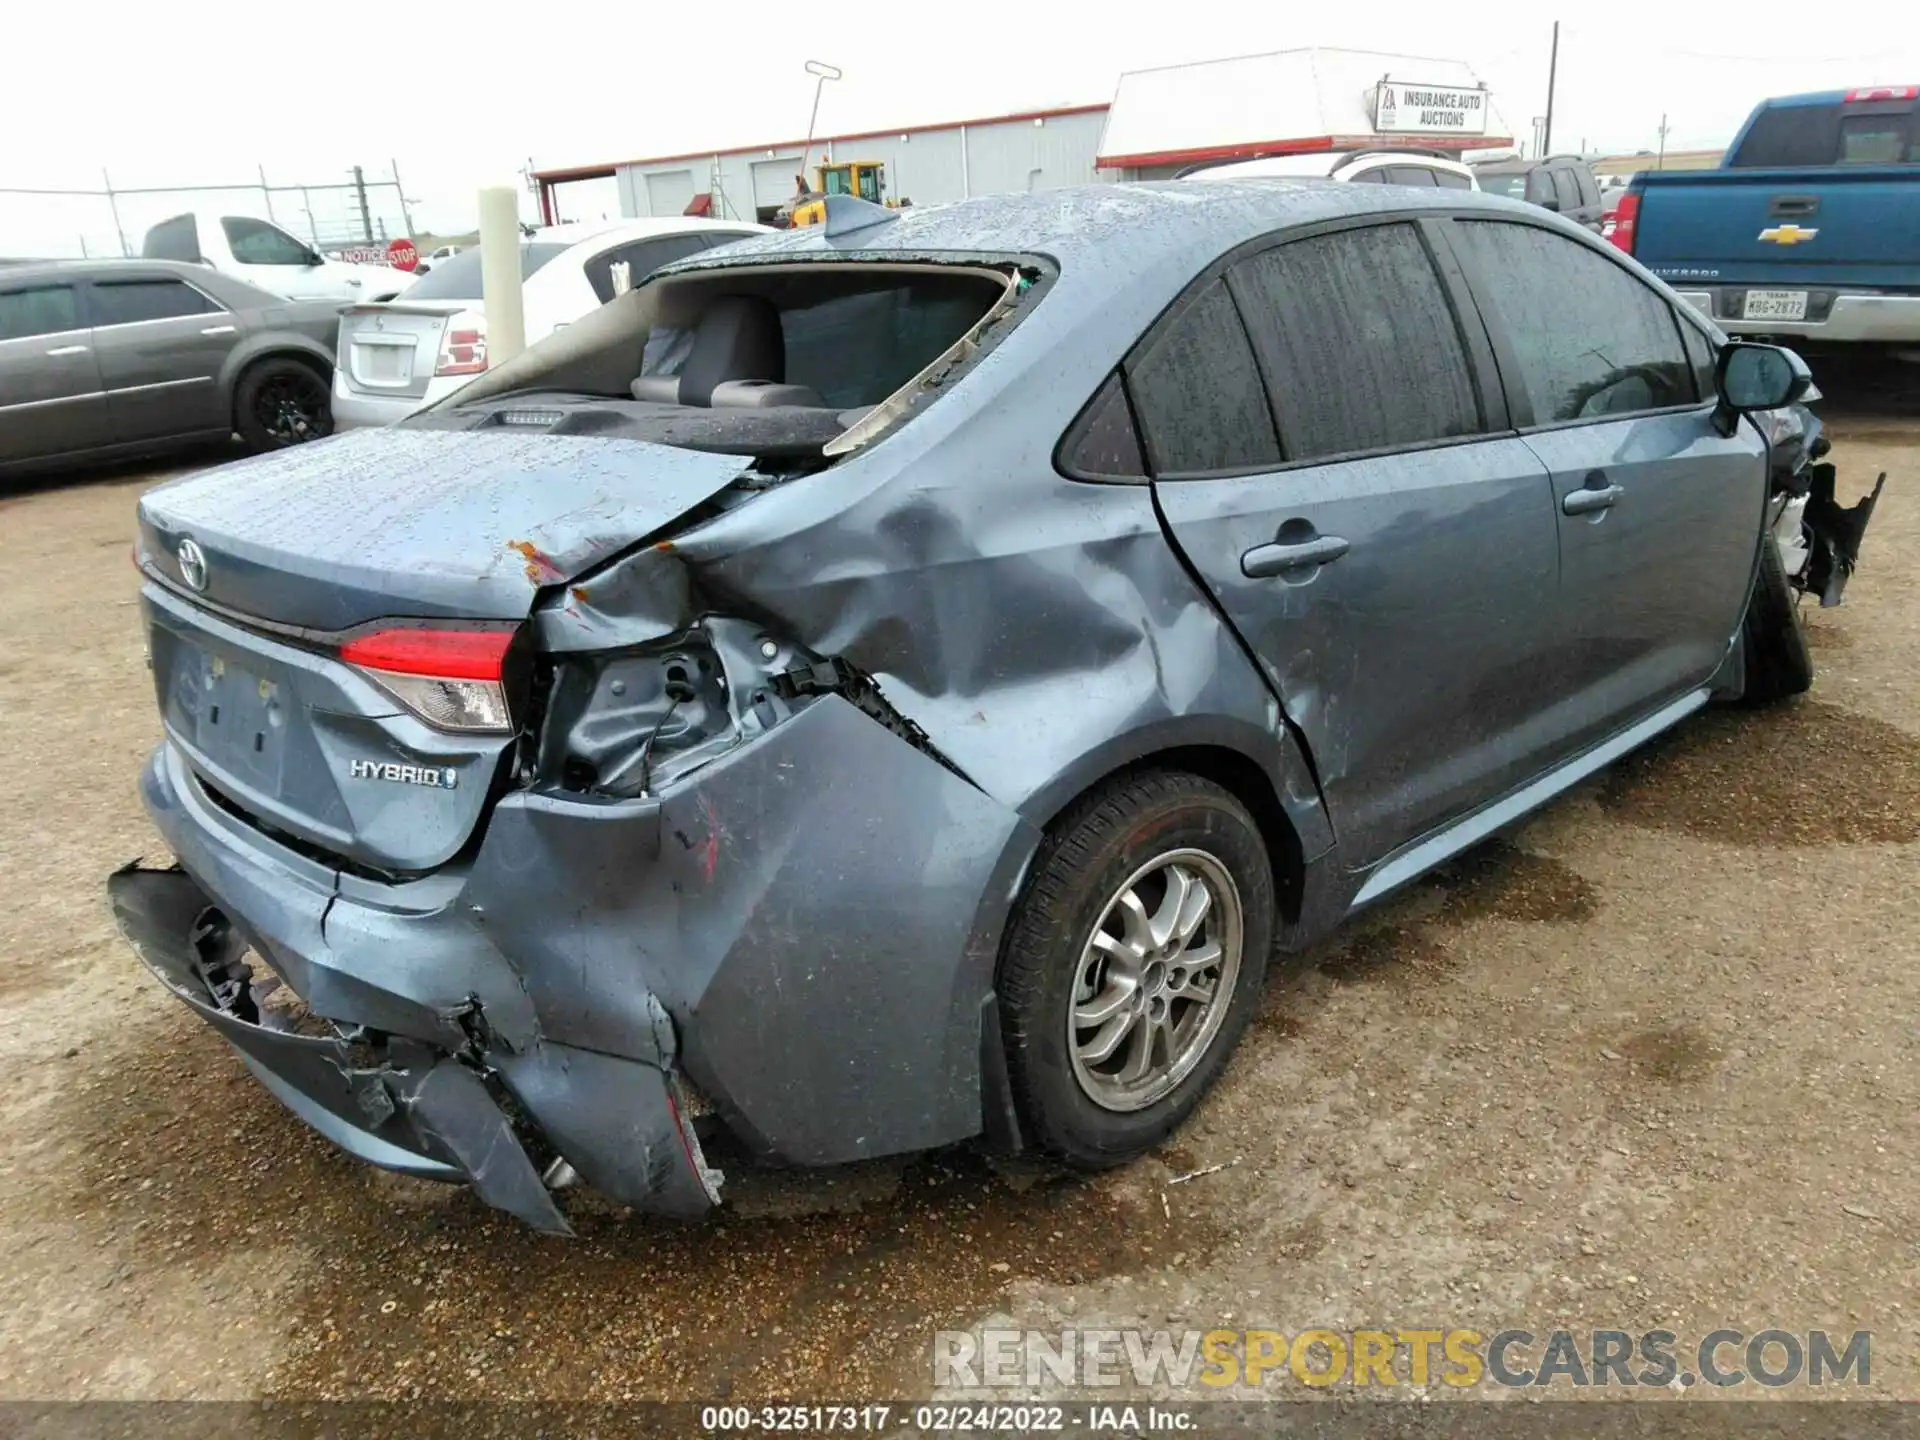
452,679
463,349
1884,92
1626,218
443,654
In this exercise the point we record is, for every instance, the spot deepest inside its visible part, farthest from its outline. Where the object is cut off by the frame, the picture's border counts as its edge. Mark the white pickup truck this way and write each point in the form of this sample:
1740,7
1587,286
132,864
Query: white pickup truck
262,254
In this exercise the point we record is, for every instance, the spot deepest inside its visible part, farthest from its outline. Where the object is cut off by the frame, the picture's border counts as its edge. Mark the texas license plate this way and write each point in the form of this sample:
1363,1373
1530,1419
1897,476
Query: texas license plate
1775,305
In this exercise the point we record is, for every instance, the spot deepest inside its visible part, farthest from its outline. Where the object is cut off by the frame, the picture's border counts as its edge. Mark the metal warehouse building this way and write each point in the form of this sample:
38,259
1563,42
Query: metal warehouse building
926,164
1159,121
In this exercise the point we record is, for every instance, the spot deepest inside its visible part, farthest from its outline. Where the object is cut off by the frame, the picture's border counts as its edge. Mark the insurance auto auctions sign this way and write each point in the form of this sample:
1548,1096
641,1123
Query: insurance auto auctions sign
1401,107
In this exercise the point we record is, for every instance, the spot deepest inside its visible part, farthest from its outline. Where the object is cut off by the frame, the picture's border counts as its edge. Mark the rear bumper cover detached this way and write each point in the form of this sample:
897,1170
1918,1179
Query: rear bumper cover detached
397,1102
815,959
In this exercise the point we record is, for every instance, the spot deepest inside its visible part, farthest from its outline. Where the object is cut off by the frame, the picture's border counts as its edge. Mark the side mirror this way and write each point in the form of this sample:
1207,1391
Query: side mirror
1757,377
314,257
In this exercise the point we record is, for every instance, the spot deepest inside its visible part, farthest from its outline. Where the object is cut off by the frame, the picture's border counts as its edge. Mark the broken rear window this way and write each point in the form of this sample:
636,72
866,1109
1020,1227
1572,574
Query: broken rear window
787,359
852,338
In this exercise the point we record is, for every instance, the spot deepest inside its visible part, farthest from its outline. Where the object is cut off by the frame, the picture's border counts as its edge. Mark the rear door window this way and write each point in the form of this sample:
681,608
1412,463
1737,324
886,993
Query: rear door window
1590,338
1448,180
41,310
1566,189
1358,341
1197,392
1410,175
128,302
642,258
1540,186
1103,443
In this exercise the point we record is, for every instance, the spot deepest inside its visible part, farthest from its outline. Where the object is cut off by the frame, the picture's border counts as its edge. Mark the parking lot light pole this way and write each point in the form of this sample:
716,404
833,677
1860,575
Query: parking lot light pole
500,273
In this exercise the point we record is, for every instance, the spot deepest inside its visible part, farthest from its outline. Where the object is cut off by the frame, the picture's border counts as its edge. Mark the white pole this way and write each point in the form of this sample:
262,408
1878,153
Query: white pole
500,273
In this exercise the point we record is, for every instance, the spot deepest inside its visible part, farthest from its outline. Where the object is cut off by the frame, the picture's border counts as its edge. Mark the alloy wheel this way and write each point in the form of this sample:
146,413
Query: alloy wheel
1155,980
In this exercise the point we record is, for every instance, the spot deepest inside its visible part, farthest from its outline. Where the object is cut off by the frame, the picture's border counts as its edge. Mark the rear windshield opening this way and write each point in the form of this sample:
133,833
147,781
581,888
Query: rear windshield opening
849,339
458,276
797,359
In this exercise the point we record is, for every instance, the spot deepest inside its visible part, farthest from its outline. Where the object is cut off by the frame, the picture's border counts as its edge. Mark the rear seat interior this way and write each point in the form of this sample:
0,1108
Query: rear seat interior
736,361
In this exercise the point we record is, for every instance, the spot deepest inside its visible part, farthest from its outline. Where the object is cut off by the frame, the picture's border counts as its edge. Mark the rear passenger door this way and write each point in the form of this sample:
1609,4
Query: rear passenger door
1658,514
161,344
50,400
1326,443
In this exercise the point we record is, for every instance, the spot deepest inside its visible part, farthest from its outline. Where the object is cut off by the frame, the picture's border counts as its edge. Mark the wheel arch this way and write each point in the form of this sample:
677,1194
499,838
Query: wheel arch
273,347
1265,772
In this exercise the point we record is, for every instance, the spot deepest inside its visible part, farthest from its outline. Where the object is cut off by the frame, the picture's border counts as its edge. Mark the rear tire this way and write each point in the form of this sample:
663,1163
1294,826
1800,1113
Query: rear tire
1776,658
281,401
1113,932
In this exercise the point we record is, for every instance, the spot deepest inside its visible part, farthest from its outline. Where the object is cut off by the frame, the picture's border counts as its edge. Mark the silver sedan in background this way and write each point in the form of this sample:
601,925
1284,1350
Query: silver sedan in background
112,359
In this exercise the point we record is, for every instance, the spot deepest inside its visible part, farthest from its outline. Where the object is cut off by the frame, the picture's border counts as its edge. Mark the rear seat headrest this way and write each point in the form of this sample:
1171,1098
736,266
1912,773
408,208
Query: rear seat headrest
738,338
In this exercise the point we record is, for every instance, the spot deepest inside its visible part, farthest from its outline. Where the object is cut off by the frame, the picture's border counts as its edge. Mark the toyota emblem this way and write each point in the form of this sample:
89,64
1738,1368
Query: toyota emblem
193,565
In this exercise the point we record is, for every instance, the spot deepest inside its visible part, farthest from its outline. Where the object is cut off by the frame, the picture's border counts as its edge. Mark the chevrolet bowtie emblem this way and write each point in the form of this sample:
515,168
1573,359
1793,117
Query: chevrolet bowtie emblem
1786,234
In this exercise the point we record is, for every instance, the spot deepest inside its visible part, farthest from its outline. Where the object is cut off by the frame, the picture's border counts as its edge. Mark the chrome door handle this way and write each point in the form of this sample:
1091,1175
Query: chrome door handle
1590,498
68,350
1265,561
217,330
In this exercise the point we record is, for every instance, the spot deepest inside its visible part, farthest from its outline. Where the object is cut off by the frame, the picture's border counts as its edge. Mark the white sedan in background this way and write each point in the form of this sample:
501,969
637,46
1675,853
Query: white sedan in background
1375,167
408,352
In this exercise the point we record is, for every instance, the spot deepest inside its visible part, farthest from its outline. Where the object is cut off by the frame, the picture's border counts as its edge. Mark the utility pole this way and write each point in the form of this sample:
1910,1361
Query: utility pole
1660,161
306,208
366,215
266,191
406,215
1553,70
114,206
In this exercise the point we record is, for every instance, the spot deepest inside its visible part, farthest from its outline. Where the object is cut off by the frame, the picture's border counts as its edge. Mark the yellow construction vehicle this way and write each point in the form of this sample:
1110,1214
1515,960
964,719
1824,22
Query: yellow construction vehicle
862,179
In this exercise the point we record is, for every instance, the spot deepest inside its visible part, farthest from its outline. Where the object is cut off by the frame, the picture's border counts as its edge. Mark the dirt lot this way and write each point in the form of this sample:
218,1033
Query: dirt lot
1651,1060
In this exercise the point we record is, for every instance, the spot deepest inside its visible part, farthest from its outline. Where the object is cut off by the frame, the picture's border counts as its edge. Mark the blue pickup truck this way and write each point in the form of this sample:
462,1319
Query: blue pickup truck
1808,232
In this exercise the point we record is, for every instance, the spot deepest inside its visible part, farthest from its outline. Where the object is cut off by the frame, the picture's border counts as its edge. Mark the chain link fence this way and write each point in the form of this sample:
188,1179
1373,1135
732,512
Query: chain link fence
362,210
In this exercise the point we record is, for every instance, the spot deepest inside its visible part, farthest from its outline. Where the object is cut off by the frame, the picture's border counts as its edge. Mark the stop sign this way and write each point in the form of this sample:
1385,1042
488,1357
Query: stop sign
402,254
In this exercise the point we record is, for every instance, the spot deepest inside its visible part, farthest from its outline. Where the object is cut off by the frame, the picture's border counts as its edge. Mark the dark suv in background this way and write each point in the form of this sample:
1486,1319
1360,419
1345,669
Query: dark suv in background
1561,183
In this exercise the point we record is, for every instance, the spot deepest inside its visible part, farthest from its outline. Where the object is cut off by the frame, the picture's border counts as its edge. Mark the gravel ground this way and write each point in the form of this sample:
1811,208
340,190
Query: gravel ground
1648,1061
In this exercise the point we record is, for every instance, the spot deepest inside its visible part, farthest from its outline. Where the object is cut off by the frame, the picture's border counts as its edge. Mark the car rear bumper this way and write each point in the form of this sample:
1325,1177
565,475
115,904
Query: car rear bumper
810,959
358,409
1841,318
410,1059
354,411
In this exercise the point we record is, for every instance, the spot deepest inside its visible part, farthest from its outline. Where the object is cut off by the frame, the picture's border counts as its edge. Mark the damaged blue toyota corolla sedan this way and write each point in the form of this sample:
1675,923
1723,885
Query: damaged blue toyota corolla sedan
898,681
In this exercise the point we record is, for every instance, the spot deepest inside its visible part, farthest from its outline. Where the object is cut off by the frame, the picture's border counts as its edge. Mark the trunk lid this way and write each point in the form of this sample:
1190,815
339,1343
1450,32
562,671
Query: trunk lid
308,750
431,524
377,525
392,349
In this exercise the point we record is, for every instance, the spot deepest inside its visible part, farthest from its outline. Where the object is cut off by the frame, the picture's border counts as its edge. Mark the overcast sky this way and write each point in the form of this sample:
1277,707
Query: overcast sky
463,92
